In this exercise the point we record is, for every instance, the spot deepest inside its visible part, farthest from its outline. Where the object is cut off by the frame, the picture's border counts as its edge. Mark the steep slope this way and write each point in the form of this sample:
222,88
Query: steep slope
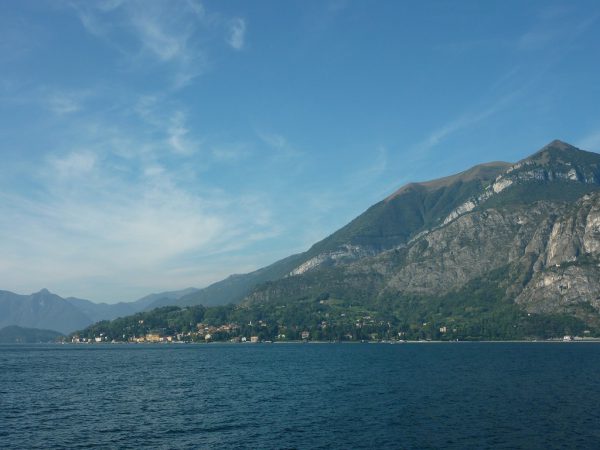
403,215
566,273
387,224
235,287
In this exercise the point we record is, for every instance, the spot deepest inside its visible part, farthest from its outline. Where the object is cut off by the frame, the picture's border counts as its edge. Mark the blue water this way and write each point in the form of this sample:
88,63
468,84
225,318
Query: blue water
330,396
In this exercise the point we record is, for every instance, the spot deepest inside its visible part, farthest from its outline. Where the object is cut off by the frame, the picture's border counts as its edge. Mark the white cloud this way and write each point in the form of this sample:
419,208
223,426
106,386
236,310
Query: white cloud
178,140
74,164
159,31
230,153
63,105
66,102
94,223
237,30
463,121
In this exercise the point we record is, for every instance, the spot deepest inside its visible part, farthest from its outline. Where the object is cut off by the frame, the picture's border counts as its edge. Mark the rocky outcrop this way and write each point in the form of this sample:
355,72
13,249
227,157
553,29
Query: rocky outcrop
567,272
562,290
469,247
555,248
345,254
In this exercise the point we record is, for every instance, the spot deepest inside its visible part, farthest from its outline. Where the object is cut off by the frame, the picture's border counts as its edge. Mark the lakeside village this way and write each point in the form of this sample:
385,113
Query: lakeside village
231,332
319,322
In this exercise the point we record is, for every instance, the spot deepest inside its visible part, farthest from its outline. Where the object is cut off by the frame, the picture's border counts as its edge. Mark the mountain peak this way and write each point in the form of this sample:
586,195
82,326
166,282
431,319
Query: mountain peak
560,152
556,148
43,292
559,145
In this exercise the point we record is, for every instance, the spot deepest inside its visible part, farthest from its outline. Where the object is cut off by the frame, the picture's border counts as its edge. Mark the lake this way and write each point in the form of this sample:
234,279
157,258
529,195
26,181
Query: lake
304,396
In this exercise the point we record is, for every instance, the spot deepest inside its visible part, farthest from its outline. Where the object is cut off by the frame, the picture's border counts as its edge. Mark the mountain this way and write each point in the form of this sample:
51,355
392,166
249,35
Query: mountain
40,310
102,311
164,298
558,172
389,223
533,227
500,251
46,310
19,335
235,287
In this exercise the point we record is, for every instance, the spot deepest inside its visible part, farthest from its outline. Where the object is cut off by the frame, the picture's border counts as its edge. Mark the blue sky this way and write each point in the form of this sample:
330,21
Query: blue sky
151,145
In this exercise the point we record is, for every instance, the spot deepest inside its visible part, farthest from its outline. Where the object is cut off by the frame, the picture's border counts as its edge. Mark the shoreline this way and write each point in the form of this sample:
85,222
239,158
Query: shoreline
537,341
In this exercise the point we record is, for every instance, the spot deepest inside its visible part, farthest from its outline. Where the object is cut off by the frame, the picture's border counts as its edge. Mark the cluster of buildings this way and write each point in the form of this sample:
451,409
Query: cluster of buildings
203,332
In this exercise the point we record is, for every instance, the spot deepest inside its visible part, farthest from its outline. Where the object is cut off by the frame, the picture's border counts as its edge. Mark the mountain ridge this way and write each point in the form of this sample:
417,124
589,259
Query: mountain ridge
46,310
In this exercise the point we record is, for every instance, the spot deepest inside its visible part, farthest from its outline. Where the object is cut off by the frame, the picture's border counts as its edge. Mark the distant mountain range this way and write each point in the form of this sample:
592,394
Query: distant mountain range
527,231
45,310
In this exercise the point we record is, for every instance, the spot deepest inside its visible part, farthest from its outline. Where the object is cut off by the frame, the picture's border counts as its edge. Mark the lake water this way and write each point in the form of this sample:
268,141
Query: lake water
304,396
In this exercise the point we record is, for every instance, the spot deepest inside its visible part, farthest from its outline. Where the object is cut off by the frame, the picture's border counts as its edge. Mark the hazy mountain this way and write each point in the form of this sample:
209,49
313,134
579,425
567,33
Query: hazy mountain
102,311
164,298
50,311
40,310
18,335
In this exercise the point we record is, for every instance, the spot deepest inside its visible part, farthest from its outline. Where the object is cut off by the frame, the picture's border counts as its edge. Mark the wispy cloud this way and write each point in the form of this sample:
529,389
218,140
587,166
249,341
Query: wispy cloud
237,33
178,139
138,225
74,164
536,39
168,33
462,122
279,143
374,170
231,153
66,101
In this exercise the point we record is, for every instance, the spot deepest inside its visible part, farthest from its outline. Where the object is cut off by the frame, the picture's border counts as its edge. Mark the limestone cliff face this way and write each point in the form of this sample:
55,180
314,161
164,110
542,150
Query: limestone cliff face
567,273
474,244
554,249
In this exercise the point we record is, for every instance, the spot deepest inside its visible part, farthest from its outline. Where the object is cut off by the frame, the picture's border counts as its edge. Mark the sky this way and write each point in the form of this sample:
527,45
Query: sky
155,145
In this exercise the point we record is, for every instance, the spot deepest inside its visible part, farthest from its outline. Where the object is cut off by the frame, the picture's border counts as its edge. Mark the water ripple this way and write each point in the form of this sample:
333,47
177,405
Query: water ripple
300,396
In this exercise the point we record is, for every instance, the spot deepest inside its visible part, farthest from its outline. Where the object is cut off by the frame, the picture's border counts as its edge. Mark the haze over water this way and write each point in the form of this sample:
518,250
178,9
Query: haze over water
467,395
